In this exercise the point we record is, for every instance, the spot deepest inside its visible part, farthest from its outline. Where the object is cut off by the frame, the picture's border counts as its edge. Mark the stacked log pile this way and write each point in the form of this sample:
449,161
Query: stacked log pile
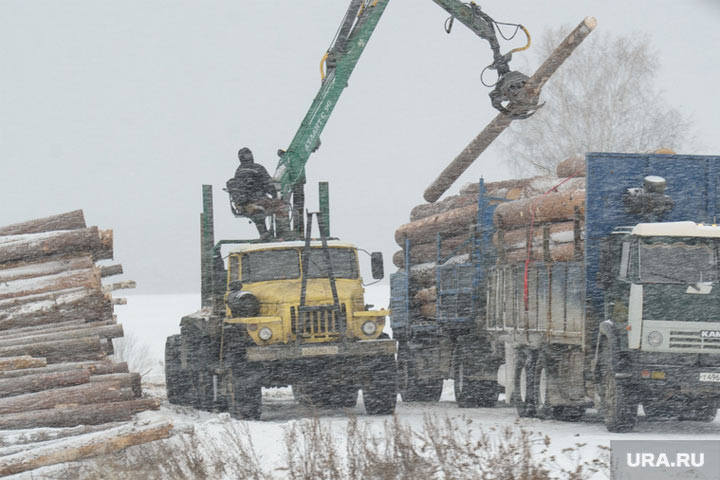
546,205
56,331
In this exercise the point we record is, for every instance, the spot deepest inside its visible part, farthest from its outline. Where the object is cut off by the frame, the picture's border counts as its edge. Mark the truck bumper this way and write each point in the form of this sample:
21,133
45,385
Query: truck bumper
363,348
697,378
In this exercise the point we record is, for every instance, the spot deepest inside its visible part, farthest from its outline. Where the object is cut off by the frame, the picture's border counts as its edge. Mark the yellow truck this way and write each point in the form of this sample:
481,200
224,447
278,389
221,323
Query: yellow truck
282,313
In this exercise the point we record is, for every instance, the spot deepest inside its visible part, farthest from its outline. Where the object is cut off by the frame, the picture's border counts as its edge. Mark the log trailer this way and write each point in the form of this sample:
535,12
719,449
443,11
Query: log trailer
619,308
634,318
291,310
441,341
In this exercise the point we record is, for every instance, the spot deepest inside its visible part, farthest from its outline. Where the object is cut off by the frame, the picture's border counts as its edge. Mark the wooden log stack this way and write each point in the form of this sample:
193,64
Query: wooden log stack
56,331
550,206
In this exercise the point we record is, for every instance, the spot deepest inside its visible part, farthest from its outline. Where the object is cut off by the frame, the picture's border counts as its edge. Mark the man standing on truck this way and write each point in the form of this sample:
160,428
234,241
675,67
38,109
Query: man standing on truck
253,194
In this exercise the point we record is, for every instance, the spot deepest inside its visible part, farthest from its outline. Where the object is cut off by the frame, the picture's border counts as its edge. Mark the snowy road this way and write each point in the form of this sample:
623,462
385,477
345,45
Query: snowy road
149,319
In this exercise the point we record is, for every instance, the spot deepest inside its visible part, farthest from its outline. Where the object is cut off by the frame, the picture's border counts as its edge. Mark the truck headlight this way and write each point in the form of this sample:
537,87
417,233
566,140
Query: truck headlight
369,328
655,338
265,334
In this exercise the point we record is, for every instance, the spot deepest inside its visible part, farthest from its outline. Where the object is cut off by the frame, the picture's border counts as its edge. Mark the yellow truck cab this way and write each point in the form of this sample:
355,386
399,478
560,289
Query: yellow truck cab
283,313
264,294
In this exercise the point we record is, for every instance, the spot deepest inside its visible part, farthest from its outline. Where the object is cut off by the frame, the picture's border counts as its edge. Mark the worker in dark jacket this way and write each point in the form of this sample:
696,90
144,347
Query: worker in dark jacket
253,194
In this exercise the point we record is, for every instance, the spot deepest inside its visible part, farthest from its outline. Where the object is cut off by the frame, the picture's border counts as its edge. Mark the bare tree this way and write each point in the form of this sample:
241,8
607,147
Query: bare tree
603,98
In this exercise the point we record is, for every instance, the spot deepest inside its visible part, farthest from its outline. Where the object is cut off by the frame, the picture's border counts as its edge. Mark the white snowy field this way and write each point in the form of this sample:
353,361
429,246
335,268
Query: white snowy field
149,320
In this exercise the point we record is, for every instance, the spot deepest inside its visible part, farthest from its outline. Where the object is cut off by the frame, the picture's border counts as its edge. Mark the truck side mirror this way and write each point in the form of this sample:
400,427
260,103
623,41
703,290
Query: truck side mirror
376,265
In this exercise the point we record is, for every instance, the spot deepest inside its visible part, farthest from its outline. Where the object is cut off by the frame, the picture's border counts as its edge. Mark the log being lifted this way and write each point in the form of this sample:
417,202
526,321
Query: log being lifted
84,446
94,368
553,207
42,381
20,249
71,416
506,189
532,90
84,394
74,220
20,362
76,349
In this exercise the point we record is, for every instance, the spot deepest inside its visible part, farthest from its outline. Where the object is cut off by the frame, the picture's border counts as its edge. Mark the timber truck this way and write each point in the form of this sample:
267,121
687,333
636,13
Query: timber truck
281,313
438,294
290,309
615,308
634,318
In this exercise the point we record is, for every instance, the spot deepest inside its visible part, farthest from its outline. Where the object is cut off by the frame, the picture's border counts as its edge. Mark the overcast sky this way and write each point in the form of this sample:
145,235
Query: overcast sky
124,108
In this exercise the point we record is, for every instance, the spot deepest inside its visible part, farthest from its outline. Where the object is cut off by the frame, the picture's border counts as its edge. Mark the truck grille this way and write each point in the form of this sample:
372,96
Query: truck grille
318,321
693,340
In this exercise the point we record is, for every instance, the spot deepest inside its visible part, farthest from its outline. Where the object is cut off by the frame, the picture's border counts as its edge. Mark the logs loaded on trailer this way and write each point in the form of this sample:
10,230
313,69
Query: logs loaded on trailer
56,331
535,219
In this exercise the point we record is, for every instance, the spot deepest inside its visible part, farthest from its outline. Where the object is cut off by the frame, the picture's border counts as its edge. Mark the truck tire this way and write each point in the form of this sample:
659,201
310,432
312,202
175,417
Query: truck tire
245,396
380,390
412,388
471,393
618,409
176,380
662,410
701,411
199,382
543,407
525,384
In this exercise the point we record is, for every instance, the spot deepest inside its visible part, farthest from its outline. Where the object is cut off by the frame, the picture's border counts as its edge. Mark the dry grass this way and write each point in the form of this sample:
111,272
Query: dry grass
443,448
135,352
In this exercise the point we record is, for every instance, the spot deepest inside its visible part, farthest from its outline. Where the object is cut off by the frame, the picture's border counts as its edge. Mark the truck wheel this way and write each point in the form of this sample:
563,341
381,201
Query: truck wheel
541,395
619,412
661,410
525,385
470,393
543,407
700,411
245,395
380,392
176,381
412,388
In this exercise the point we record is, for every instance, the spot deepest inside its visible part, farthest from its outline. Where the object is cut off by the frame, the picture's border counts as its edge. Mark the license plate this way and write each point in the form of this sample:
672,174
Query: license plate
326,350
710,377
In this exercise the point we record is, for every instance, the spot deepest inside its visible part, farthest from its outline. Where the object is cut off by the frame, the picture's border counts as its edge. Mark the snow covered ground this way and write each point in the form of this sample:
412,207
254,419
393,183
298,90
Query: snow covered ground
150,319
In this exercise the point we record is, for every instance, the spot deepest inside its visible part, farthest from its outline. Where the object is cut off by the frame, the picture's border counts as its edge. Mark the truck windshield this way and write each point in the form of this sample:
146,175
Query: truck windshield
270,265
343,262
678,262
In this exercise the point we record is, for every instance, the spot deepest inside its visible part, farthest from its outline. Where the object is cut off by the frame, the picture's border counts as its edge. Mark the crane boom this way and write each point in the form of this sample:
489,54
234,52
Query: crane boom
358,26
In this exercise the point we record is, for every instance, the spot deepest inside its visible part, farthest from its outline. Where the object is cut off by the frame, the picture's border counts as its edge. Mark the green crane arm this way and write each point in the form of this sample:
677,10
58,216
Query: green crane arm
358,25
356,29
